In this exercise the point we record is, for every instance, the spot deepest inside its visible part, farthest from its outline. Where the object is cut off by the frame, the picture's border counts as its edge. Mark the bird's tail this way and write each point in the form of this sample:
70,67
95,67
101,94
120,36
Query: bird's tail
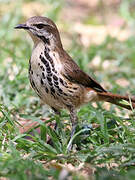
123,101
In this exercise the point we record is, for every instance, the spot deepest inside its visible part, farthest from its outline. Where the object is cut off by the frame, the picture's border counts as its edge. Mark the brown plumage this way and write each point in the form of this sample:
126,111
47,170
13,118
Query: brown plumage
57,79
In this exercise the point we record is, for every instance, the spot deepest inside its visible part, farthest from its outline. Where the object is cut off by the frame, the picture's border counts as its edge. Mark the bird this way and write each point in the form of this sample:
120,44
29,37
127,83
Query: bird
57,79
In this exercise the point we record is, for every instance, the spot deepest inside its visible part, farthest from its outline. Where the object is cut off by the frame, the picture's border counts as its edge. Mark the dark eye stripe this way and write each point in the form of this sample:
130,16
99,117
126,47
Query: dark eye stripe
40,26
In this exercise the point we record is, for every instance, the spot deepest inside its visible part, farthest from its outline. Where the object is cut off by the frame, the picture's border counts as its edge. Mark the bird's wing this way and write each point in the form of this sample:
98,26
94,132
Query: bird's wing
72,72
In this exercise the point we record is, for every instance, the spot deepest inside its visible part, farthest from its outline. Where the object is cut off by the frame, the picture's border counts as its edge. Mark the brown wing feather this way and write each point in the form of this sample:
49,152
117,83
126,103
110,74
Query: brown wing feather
73,73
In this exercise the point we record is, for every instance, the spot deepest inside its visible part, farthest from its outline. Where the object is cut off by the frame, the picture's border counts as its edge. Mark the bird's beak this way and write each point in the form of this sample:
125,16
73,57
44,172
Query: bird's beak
21,26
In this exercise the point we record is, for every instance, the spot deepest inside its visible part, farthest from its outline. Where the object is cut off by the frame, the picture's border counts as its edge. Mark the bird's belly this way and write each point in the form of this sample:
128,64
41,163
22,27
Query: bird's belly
55,93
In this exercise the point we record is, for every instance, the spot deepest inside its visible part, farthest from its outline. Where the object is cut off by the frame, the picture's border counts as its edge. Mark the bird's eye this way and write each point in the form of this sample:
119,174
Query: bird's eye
39,26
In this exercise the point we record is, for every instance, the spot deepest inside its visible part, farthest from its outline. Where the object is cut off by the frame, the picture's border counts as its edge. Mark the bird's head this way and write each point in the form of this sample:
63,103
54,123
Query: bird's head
41,29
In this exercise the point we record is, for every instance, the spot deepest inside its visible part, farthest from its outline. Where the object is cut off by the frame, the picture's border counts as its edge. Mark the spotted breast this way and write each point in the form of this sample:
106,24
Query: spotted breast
47,81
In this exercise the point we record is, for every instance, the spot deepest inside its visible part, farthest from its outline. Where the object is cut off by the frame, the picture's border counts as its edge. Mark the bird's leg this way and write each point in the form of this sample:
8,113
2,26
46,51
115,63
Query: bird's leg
74,121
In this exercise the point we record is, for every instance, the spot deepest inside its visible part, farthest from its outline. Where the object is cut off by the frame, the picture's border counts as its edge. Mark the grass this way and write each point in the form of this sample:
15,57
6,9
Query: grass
104,149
